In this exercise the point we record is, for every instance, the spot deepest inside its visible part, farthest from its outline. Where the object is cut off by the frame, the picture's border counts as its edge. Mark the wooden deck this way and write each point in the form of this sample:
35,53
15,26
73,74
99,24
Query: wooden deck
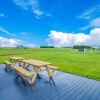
64,86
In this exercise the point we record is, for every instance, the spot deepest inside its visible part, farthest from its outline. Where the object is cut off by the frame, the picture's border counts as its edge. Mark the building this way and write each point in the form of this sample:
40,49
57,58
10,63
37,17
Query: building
20,47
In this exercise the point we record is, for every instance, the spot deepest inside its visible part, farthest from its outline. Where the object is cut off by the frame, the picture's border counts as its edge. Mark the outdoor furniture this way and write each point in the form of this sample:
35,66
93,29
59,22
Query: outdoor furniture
37,65
30,76
52,68
16,60
8,64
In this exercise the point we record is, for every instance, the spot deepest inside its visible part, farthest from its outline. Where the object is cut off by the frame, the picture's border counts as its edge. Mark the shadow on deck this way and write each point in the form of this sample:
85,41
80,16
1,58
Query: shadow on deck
63,86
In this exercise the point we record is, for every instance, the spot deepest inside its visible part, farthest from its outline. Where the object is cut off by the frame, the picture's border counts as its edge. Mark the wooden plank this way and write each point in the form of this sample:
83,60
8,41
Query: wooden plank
76,91
52,67
96,93
30,76
36,63
23,71
8,64
42,93
66,90
62,87
17,58
91,91
84,92
98,97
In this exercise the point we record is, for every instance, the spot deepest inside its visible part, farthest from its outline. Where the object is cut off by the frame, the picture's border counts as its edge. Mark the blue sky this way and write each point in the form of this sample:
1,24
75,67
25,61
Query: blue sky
49,22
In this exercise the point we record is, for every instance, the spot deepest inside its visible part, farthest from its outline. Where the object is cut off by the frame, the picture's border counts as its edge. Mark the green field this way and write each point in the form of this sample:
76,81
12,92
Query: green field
68,60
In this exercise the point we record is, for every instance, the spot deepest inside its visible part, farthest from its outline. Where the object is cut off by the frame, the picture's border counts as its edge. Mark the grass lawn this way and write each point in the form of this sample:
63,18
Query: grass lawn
68,60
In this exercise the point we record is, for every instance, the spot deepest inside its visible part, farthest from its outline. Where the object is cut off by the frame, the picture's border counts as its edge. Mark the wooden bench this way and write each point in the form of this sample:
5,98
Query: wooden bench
8,64
53,68
30,76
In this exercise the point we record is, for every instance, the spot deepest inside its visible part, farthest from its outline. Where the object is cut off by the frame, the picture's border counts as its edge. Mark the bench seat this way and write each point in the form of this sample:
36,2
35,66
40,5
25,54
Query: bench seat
30,76
8,64
52,67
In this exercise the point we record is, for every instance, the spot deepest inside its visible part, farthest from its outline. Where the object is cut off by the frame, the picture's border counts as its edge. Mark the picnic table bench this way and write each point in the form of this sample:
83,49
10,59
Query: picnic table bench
8,64
30,76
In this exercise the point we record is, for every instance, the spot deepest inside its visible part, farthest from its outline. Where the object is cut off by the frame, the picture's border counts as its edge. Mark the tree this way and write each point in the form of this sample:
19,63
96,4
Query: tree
81,47
47,47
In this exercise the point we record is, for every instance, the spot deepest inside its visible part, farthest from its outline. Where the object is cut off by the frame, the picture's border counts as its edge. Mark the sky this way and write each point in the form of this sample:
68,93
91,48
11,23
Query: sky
59,23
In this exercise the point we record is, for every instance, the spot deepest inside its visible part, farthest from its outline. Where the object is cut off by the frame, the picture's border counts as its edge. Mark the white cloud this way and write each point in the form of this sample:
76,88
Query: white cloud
14,42
95,23
90,13
60,39
95,37
38,12
31,5
9,42
5,31
1,15
92,16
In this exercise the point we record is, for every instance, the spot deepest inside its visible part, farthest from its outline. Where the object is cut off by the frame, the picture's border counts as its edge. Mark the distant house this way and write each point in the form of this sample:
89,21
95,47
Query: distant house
81,50
20,47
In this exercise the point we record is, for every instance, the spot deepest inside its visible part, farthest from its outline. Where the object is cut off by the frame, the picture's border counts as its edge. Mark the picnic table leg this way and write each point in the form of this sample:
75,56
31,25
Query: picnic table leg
31,80
18,74
24,65
19,62
10,60
37,69
13,61
53,71
48,71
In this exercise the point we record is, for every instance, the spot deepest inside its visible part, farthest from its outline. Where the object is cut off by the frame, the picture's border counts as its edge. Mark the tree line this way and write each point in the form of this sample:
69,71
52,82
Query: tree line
74,47
81,47
47,47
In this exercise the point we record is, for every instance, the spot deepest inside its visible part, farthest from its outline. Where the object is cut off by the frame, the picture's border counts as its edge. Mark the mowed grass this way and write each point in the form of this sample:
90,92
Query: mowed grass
68,60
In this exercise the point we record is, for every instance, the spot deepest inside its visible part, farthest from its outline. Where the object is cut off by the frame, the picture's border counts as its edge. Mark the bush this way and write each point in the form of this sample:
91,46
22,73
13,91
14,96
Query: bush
47,47
81,47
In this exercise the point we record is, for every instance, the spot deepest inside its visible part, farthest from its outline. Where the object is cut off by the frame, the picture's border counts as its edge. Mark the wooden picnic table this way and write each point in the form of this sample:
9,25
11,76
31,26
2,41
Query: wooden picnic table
16,60
37,65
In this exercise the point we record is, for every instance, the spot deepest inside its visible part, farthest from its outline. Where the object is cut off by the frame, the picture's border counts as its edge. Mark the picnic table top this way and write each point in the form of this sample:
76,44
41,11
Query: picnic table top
36,62
17,58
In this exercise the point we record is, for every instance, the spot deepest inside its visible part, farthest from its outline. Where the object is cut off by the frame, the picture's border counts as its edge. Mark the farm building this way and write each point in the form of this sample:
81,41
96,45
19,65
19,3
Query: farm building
81,50
20,47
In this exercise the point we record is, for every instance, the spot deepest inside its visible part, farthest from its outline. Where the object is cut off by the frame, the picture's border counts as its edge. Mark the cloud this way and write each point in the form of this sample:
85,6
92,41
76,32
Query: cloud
9,42
5,42
60,39
92,16
5,31
95,23
90,13
1,15
31,5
